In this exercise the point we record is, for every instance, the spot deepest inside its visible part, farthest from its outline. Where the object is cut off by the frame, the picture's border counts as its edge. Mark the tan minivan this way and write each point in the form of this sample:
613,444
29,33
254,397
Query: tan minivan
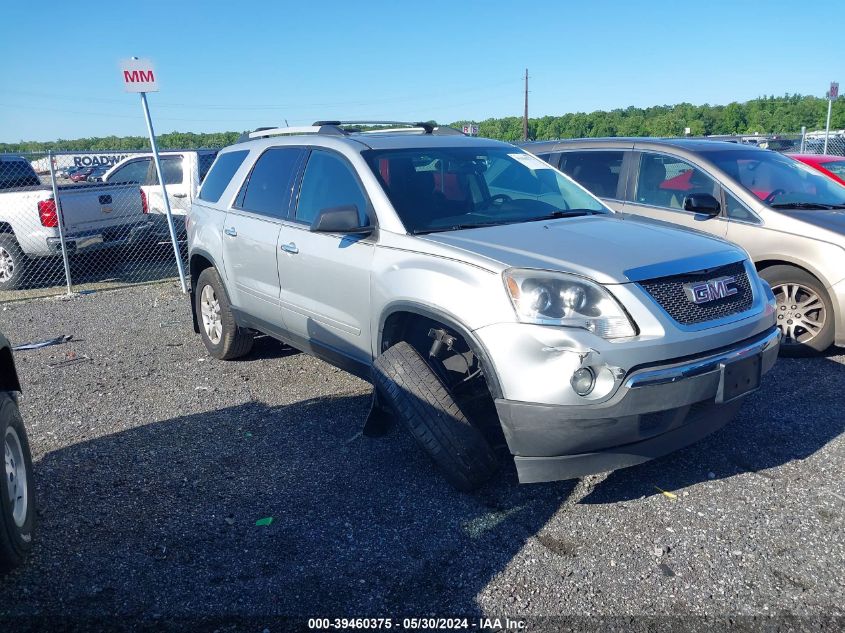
790,218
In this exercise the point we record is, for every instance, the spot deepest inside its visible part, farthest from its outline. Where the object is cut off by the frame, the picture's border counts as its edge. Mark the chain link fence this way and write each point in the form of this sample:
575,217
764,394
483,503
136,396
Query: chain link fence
816,142
81,221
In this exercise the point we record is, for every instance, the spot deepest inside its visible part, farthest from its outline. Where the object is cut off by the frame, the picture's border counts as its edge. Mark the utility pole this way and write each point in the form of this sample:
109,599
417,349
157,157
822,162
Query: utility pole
832,94
525,114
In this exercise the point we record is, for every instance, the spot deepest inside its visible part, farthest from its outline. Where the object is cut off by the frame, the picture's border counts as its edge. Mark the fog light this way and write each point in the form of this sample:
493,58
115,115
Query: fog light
583,381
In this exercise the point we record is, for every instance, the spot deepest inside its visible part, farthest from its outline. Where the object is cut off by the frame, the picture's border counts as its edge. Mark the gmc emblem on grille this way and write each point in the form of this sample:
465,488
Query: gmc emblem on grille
706,291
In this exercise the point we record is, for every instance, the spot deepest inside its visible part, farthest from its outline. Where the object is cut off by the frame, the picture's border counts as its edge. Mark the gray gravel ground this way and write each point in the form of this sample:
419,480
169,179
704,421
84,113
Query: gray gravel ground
154,462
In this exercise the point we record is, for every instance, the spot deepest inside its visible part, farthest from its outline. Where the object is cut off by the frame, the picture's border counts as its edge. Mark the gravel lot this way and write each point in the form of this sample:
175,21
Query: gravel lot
154,463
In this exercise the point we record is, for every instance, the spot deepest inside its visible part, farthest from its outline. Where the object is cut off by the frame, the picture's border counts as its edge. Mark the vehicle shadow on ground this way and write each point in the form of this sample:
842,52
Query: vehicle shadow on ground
769,431
160,520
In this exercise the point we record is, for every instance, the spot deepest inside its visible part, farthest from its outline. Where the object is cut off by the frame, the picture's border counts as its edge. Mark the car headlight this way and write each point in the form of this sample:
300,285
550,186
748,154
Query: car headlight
549,298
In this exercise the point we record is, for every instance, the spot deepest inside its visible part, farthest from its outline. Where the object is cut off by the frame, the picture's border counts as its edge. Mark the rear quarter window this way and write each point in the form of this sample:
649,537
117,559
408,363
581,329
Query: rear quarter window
221,174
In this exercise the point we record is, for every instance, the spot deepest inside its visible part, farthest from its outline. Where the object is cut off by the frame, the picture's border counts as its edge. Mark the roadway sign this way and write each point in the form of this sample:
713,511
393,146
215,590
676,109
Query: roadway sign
138,75
834,90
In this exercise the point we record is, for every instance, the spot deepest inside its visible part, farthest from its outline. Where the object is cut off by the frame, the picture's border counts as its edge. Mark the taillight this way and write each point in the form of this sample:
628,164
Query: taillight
144,207
47,213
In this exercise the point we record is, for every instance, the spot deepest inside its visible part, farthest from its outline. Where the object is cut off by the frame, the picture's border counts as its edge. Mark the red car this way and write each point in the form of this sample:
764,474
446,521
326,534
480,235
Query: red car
830,166
82,174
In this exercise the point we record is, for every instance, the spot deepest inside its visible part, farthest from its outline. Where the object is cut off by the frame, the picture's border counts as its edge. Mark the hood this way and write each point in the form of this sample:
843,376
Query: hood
606,248
832,220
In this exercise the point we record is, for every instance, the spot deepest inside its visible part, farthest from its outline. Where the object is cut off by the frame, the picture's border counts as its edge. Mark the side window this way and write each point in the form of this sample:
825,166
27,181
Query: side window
329,182
219,177
171,167
597,171
664,181
267,190
738,211
133,171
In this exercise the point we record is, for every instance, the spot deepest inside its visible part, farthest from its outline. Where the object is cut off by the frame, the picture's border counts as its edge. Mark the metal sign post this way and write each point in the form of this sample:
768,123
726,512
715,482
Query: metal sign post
60,220
832,94
139,76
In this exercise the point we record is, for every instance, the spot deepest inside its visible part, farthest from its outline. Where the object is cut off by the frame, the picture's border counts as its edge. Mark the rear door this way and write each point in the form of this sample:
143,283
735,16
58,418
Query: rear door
601,172
659,184
251,234
325,278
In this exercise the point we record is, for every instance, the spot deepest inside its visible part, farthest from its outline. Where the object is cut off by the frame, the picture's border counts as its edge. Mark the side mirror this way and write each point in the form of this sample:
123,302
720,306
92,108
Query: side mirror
702,203
339,220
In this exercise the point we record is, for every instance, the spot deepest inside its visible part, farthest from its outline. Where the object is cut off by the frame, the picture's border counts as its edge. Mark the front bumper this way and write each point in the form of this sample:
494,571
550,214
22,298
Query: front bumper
657,410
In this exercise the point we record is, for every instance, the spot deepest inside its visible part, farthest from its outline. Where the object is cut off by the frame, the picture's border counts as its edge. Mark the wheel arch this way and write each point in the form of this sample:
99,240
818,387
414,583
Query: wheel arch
198,261
396,315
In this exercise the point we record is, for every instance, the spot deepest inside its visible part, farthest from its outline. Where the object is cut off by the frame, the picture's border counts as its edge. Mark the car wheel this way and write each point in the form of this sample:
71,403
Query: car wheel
222,337
804,310
13,263
417,395
17,493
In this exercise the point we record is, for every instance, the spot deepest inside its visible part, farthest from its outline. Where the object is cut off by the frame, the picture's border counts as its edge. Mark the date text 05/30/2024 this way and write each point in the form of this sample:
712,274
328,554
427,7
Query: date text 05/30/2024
411,624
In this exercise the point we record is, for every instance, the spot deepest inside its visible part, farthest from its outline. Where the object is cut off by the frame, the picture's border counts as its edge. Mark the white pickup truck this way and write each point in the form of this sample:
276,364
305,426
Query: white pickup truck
183,170
95,216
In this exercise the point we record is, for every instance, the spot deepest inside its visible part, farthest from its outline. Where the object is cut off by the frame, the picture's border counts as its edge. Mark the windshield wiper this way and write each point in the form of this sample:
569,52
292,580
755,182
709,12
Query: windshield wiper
564,213
807,205
458,227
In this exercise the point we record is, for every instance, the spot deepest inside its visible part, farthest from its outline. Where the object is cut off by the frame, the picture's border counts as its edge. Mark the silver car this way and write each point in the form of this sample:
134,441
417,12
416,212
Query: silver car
481,291
787,216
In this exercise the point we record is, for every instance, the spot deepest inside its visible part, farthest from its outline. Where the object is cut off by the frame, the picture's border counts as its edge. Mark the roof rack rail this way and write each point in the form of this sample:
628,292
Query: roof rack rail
336,128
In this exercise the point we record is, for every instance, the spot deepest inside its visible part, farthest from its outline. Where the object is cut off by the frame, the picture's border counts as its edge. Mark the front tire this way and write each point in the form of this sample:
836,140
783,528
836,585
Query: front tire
17,492
804,310
424,405
223,338
13,263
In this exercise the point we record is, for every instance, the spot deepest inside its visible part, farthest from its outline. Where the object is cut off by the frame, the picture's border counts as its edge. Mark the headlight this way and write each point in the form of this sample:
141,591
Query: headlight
548,298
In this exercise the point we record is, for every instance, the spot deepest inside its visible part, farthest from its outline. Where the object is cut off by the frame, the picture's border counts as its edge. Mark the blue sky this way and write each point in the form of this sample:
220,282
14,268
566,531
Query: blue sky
239,65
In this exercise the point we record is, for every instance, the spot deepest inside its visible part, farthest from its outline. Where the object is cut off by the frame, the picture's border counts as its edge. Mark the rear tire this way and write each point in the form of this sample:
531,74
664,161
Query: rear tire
13,263
223,338
17,492
424,405
804,310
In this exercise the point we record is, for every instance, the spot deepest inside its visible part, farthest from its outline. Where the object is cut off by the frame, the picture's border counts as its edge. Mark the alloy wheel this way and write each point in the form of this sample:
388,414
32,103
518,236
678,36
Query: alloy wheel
7,265
211,320
16,476
801,313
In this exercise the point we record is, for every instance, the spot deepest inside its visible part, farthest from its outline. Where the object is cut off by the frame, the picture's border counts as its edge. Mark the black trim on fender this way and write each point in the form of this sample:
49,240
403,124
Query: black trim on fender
453,323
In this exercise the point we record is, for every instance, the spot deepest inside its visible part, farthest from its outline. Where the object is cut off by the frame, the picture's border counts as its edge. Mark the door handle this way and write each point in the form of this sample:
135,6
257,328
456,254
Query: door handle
231,231
290,248
180,195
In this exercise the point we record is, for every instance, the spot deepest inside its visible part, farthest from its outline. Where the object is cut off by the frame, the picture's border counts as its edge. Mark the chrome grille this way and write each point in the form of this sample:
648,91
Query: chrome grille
669,293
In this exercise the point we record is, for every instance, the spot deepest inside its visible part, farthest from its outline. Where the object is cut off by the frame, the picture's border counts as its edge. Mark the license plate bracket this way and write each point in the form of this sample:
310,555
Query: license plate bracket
739,378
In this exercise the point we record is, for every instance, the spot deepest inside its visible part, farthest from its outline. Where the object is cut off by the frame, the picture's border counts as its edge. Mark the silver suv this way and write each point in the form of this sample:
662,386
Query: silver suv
472,283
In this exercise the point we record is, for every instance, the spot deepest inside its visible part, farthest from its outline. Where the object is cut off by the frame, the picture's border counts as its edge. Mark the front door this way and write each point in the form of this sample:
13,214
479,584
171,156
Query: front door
663,181
325,278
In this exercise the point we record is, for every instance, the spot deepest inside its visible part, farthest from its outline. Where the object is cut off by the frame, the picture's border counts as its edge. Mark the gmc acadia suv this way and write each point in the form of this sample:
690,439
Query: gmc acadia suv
471,283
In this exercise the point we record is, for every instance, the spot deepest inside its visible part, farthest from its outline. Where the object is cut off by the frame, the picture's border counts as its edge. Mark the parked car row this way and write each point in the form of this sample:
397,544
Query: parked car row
124,207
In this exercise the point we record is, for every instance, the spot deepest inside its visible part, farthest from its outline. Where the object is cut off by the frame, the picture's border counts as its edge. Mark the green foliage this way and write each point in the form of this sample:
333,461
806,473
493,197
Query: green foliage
766,115
173,140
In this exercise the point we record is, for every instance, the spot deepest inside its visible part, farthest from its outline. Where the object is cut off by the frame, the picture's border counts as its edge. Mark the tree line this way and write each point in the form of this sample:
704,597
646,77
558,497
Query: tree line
766,115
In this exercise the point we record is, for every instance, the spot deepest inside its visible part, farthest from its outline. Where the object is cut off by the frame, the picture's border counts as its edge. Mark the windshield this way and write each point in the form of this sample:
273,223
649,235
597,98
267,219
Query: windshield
17,173
450,188
779,181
